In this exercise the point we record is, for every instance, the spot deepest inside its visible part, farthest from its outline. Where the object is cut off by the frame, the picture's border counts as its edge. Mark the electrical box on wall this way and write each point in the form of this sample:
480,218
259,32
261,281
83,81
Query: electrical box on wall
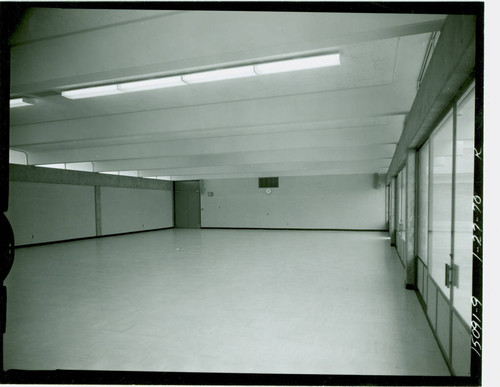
210,194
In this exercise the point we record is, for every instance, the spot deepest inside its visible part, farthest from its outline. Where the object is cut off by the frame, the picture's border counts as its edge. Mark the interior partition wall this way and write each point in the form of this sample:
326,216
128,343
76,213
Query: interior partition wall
445,230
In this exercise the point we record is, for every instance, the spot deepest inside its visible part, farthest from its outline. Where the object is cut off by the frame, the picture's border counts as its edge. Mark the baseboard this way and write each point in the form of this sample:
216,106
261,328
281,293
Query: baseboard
290,229
204,228
90,237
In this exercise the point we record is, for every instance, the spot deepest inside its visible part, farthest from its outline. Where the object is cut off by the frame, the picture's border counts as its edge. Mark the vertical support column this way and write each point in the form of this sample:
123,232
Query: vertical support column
411,261
387,204
98,223
392,211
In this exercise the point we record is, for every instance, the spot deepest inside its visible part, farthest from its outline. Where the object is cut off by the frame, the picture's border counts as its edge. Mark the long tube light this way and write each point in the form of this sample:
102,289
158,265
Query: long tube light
219,75
311,62
18,102
151,84
92,92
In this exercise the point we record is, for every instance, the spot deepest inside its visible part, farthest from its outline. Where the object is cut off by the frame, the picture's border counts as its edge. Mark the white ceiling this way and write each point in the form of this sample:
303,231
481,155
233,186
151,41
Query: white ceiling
338,120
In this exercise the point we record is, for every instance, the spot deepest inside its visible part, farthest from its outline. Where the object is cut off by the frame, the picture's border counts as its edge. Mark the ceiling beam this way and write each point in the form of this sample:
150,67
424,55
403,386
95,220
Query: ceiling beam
395,121
347,137
367,169
323,154
277,169
393,99
367,166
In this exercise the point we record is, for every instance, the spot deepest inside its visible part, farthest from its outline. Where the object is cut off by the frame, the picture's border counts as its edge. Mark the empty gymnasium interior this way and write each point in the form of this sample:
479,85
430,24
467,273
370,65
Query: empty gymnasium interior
267,192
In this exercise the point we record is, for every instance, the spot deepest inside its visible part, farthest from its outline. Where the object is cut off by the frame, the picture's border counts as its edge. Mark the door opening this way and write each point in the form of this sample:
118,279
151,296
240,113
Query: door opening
187,204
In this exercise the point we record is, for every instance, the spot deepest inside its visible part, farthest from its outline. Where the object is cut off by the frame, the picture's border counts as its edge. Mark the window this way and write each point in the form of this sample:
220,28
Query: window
53,166
445,229
441,163
85,166
464,188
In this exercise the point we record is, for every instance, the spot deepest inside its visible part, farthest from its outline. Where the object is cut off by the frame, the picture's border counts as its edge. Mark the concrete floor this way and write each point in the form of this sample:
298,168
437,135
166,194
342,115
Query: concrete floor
311,302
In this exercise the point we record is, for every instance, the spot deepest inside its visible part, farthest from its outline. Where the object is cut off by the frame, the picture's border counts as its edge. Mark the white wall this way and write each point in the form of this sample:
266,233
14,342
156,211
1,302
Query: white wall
48,205
330,202
44,212
129,209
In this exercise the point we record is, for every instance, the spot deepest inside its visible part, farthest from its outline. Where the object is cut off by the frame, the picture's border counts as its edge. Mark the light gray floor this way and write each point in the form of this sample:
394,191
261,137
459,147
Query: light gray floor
218,301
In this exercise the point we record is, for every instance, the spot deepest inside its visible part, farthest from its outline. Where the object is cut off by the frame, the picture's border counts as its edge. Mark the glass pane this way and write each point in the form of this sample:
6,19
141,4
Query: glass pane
423,201
83,166
55,166
441,194
463,206
403,203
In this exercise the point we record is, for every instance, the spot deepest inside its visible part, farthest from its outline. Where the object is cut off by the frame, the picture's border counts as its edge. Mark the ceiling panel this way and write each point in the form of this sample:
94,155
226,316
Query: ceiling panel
363,65
326,106
337,120
393,121
195,40
44,23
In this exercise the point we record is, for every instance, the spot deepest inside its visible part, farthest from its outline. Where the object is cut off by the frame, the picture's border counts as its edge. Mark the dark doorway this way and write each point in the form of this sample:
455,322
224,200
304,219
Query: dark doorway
187,204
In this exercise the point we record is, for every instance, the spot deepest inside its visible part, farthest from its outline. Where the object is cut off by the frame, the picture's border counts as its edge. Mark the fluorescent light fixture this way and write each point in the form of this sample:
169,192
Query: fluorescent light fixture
312,62
219,75
110,173
91,92
17,102
150,84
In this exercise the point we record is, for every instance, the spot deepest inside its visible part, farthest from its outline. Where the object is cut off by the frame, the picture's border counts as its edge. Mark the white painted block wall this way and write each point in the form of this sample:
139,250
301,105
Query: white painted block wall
48,212
128,209
329,202
43,212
